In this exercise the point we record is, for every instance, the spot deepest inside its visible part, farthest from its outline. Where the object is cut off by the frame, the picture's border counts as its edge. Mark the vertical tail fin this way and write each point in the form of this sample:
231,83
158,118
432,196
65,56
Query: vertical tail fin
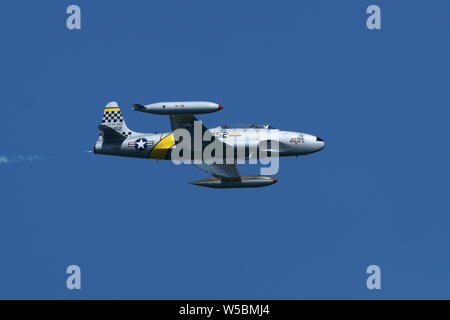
113,125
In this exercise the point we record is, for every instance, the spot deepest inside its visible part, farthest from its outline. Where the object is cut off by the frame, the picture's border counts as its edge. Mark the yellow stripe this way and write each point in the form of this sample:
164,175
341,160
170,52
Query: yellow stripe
111,109
159,151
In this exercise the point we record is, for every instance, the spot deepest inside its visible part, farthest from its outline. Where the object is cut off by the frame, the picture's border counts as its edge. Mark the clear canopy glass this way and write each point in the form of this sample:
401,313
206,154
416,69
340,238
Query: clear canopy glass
246,126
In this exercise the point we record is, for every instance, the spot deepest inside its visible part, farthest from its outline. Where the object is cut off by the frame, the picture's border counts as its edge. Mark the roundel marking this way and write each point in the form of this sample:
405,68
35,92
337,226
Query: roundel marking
140,144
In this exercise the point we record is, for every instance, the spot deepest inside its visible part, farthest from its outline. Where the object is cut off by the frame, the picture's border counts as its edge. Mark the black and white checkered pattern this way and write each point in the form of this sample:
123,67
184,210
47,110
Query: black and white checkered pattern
112,117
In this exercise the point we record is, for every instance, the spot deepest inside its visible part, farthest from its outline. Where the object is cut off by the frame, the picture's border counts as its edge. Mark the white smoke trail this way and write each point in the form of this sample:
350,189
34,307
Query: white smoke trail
20,158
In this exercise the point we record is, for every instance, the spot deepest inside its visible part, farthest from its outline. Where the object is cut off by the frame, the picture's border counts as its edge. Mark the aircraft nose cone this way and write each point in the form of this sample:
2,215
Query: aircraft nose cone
320,143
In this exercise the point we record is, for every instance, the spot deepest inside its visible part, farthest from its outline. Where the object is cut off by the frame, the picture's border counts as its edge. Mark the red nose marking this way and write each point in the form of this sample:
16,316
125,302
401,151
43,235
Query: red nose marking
220,107
274,180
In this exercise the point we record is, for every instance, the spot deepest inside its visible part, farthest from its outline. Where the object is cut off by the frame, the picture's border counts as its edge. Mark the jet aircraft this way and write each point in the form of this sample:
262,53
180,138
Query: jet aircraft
251,139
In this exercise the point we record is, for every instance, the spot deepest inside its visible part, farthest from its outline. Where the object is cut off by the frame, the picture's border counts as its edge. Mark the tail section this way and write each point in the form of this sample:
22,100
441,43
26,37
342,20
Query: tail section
113,126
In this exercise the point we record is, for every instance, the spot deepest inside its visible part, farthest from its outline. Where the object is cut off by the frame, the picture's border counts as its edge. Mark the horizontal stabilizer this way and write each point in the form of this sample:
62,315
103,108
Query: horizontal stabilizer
109,133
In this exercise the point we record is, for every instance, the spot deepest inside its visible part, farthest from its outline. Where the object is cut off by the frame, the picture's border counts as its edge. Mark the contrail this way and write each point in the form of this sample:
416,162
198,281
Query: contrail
20,158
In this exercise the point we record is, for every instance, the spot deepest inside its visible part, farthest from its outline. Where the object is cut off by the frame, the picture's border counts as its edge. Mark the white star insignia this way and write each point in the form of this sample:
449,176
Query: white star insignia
141,144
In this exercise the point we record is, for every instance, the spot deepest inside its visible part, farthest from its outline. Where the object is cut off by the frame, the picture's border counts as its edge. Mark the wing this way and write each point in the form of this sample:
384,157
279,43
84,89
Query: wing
185,121
226,171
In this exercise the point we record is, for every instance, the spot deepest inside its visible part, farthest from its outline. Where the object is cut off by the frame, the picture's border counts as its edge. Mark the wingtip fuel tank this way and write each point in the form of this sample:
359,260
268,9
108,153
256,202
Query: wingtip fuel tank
252,181
175,108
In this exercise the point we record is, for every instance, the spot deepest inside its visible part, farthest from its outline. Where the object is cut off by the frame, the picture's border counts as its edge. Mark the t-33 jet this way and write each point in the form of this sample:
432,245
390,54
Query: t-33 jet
216,150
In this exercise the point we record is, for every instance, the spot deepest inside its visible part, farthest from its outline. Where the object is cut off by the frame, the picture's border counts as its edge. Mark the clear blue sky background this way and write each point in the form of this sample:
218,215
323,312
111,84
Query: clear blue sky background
377,194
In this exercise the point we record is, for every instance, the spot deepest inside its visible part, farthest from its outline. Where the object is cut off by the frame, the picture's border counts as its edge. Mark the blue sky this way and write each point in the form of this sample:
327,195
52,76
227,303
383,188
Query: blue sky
377,194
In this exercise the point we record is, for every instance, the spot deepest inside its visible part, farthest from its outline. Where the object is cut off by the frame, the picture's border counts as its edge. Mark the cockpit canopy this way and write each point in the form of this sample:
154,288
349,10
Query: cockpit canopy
246,126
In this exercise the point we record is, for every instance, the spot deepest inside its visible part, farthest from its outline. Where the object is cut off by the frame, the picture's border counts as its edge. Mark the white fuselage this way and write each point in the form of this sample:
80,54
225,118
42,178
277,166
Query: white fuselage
289,143
251,140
